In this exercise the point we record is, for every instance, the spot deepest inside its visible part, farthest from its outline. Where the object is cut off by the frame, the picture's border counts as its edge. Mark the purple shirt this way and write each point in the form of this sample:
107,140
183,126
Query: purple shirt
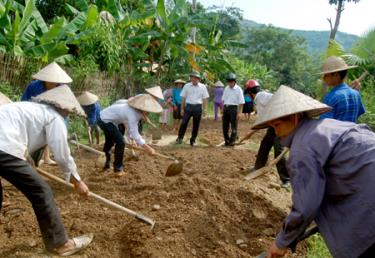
218,94
332,172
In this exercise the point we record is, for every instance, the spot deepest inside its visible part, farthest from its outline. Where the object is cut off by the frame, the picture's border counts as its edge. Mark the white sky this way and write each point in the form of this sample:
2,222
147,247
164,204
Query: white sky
304,14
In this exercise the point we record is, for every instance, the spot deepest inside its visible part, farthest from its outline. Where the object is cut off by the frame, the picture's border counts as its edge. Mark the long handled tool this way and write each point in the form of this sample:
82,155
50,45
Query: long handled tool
102,199
173,169
263,170
313,230
248,136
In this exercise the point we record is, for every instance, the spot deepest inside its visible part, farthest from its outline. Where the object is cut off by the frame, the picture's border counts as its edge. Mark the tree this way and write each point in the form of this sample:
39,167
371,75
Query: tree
339,10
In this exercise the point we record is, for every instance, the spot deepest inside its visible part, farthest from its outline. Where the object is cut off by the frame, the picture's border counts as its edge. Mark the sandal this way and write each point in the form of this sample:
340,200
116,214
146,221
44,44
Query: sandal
80,242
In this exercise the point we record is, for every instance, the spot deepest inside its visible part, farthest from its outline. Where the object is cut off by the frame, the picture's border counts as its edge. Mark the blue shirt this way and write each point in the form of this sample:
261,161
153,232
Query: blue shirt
92,111
346,104
176,98
34,89
248,98
331,166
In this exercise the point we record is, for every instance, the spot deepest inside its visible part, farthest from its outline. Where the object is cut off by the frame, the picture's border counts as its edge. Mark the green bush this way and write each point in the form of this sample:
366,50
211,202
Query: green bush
316,247
14,93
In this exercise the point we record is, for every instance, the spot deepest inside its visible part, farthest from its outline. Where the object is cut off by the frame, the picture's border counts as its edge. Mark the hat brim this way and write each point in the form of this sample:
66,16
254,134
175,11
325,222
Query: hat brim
337,70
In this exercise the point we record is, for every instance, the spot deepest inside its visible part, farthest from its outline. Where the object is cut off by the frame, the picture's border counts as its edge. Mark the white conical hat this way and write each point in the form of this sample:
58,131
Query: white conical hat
4,99
52,73
287,101
179,81
87,98
61,97
146,103
334,64
219,84
156,91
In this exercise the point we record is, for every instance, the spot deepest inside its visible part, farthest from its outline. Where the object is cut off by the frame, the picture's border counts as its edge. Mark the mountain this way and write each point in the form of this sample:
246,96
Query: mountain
316,40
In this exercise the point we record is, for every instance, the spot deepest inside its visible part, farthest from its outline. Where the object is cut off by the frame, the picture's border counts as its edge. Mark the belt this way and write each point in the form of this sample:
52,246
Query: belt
230,105
194,104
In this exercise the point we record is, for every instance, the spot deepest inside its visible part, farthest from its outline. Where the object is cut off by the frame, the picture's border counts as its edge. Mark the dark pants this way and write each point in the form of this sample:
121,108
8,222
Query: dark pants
20,174
271,140
369,253
194,111
113,136
230,119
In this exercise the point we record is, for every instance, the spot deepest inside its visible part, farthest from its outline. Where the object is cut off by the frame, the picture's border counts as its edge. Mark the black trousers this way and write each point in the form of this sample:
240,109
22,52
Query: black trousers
20,174
230,120
369,253
194,111
113,136
271,140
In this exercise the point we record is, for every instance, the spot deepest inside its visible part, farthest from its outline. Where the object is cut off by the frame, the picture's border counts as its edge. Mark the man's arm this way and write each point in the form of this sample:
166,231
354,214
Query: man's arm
182,105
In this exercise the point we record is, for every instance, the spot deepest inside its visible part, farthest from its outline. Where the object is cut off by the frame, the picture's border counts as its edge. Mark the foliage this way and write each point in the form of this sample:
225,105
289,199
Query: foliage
317,247
13,93
282,53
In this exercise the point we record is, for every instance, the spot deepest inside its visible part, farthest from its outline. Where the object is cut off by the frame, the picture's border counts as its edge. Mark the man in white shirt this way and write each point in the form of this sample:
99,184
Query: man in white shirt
128,113
261,99
26,127
194,97
233,101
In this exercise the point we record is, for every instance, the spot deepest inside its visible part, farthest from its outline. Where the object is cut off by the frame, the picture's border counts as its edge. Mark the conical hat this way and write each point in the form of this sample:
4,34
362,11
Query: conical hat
156,91
334,64
52,73
179,81
87,98
287,101
61,97
219,84
146,103
4,99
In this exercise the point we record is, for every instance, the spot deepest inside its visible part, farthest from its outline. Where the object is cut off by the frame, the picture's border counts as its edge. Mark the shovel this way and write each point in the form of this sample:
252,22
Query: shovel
263,170
173,169
97,197
311,231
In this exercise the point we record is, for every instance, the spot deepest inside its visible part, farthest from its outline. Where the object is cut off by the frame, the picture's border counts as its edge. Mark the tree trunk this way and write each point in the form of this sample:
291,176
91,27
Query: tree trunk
339,10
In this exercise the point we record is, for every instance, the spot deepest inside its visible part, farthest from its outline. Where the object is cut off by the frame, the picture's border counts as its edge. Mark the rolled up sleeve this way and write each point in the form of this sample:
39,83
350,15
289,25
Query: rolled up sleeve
308,182
57,140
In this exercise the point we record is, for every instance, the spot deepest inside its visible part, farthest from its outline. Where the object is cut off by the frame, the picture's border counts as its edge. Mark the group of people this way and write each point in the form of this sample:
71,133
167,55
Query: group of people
330,166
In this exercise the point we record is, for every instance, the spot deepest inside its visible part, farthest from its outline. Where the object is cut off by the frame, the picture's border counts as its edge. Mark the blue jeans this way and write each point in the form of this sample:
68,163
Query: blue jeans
113,136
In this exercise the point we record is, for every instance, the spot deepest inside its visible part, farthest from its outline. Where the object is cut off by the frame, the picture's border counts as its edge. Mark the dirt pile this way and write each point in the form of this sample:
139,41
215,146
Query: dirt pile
207,211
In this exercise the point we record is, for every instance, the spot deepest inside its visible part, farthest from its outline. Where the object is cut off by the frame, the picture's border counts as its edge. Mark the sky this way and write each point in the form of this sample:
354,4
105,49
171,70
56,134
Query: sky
304,14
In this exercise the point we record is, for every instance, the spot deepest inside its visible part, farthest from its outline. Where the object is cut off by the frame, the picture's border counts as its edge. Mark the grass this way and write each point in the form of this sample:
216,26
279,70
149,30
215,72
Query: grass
316,247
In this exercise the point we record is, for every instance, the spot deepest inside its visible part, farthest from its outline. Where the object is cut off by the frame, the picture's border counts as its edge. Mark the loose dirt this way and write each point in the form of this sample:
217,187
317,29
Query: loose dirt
209,210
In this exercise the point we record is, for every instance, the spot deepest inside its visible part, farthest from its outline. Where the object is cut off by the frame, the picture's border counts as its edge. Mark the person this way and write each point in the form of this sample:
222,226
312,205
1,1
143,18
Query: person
26,127
194,97
46,79
167,109
233,101
129,114
332,166
260,99
91,106
346,102
176,102
218,99
248,106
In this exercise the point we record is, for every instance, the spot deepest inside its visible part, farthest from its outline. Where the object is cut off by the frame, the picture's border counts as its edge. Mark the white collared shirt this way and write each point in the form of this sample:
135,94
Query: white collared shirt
261,100
27,126
194,94
124,114
233,96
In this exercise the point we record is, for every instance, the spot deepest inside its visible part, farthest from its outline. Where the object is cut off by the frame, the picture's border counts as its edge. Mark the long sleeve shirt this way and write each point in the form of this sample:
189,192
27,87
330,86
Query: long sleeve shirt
346,104
261,100
233,96
194,94
35,88
176,98
26,127
332,172
124,114
92,111
218,94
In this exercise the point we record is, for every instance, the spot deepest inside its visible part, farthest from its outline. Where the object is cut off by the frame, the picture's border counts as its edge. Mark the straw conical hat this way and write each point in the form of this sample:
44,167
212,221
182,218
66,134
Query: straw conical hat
334,64
219,84
4,99
156,91
287,101
146,103
179,81
87,98
52,73
61,97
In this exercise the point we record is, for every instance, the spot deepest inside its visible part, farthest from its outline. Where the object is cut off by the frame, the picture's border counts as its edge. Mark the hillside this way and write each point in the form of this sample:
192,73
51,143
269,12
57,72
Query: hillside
316,40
